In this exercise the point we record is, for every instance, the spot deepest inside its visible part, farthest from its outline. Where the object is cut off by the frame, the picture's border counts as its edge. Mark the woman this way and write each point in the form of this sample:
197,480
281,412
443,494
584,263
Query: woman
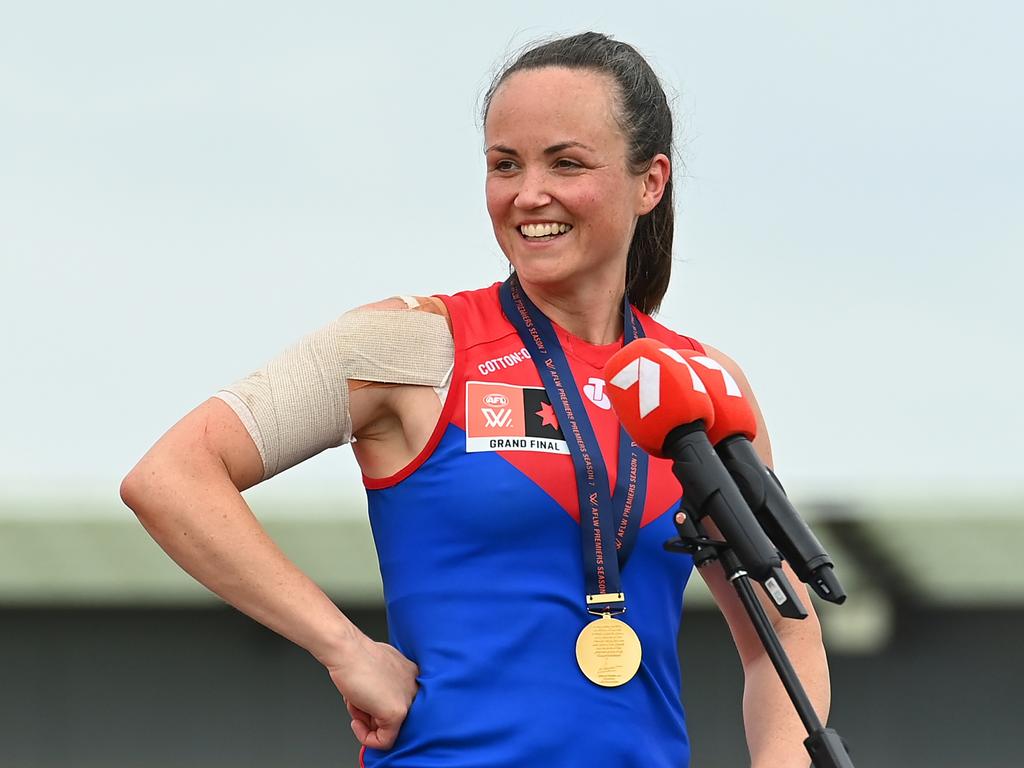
461,435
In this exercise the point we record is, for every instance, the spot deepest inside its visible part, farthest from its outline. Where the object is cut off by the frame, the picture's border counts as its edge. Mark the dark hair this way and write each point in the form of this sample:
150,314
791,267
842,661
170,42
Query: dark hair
646,120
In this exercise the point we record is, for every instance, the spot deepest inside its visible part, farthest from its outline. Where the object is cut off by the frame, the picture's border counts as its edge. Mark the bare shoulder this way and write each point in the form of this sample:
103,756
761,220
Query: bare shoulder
730,365
762,442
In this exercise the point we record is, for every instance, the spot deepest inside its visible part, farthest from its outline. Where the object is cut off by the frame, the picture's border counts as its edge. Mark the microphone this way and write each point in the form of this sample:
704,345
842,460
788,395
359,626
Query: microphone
665,407
735,426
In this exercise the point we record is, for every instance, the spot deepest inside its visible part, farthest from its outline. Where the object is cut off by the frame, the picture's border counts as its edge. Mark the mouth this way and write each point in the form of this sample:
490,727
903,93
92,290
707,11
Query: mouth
543,232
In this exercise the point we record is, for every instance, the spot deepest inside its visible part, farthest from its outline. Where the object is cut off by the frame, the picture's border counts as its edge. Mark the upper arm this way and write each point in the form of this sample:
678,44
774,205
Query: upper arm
333,383
748,644
339,381
721,590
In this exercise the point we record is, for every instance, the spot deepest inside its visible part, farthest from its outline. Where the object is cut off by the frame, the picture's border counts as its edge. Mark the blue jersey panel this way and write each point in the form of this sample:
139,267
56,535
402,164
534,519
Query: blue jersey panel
483,580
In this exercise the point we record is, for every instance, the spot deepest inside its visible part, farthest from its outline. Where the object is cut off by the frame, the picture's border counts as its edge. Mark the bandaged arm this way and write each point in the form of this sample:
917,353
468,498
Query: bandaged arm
185,491
298,404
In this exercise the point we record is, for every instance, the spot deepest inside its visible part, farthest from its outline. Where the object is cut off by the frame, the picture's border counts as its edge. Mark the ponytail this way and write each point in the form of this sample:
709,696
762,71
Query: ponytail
649,265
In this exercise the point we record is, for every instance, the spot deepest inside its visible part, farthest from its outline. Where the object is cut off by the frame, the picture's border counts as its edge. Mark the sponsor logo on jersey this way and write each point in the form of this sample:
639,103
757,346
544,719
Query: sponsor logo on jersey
506,417
495,364
594,390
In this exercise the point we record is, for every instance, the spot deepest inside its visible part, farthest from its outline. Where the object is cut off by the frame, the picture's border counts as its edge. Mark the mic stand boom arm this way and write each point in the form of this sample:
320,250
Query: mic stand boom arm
762,490
824,745
711,490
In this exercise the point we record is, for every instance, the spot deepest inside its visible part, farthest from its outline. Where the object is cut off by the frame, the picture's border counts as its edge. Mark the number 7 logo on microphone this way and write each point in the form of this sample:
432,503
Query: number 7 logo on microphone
654,389
647,373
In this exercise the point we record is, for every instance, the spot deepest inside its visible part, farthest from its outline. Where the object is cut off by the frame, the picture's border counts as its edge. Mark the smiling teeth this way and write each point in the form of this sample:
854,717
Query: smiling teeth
543,230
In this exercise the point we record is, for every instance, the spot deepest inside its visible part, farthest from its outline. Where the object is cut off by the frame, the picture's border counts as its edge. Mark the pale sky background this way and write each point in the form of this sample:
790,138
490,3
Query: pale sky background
187,187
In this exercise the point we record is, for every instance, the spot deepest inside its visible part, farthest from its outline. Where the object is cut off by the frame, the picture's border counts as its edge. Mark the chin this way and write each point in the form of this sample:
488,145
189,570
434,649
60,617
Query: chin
542,272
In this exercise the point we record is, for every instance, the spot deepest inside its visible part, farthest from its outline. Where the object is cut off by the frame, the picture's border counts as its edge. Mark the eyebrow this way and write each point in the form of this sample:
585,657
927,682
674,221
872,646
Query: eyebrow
553,149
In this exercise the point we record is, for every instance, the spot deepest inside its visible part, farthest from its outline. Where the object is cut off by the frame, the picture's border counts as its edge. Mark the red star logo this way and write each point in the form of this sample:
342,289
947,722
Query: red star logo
547,416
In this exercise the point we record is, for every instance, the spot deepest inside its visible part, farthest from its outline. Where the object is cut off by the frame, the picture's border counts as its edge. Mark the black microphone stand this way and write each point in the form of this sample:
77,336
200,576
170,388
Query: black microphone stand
824,745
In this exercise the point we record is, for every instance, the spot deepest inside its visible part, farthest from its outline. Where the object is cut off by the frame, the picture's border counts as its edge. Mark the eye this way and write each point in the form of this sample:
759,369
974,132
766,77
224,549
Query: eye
505,165
565,164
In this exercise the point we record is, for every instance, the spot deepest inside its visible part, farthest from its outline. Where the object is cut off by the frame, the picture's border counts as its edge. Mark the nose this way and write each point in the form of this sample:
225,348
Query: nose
532,192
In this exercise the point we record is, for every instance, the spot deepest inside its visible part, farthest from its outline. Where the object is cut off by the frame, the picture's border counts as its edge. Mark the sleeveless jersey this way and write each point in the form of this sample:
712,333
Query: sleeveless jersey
480,556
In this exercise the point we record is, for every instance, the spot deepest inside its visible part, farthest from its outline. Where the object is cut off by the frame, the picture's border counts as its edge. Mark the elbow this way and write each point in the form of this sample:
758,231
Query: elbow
804,643
147,483
148,490
133,488
175,466
164,479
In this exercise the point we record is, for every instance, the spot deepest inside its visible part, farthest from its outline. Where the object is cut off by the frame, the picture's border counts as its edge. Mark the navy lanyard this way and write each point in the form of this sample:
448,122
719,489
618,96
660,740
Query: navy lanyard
602,519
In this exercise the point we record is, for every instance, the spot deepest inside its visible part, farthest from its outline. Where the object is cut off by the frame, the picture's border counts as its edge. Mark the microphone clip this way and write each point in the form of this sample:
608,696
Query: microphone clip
693,540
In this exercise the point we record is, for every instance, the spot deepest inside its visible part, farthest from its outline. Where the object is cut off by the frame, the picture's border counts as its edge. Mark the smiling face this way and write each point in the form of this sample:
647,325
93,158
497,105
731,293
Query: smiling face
561,196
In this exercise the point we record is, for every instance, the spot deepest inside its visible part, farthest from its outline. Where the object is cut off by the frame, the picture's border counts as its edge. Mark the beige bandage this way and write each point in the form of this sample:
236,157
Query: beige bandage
298,404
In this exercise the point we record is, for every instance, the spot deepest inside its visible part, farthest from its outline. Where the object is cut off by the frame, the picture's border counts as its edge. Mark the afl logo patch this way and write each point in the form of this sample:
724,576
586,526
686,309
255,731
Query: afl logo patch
507,417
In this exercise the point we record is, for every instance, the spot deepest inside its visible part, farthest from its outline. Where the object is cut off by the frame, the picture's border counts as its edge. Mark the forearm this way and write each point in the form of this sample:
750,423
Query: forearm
195,513
775,733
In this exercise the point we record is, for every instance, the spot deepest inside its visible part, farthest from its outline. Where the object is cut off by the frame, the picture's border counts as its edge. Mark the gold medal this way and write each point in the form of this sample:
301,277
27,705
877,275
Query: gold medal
608,651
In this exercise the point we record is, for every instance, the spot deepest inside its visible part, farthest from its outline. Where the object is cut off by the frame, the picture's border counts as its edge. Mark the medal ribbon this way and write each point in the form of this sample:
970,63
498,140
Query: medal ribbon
603,520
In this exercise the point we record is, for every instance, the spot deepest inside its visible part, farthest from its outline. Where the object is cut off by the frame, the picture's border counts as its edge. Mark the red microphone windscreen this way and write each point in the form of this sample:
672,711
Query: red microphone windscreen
733,414
654,390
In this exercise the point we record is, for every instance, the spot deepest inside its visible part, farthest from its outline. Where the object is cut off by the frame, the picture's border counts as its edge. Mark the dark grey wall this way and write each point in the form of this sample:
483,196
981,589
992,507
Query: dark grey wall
164,688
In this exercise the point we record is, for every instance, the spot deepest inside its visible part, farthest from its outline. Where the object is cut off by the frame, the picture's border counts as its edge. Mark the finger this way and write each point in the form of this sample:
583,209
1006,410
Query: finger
357,713
381,738
362,723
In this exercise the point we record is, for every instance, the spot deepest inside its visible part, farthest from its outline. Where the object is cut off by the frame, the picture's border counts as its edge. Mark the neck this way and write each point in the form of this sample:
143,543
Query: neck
594,314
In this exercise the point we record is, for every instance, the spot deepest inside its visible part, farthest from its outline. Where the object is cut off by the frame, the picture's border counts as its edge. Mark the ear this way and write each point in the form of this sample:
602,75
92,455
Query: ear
654,179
